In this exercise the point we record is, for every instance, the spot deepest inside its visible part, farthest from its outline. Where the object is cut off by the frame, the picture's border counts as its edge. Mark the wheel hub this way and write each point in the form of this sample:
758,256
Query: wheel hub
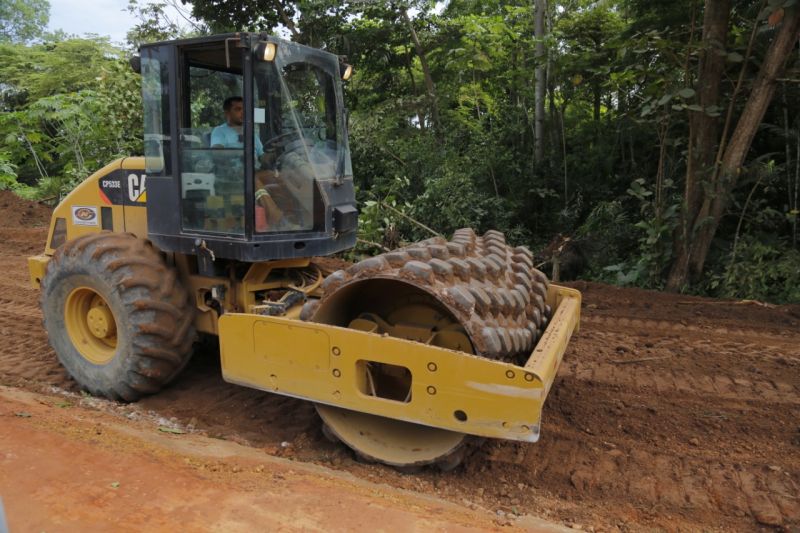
101,322
91,325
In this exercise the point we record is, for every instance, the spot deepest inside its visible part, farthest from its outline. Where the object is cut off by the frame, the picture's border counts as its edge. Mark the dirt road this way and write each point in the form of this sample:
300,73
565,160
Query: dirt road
66,465
670,412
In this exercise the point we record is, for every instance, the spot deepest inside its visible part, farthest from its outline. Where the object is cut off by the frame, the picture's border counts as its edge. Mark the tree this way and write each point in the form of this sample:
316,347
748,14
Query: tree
156,24
430,87
715,168
540,80
236,15
46,69
652,128
69,108
23,20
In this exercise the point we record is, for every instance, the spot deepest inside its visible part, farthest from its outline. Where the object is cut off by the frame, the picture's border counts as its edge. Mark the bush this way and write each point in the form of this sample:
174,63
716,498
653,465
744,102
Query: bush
8,172
762,270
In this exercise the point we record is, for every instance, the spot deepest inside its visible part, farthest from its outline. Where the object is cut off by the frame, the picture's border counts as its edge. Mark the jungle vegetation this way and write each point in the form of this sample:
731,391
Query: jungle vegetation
643,142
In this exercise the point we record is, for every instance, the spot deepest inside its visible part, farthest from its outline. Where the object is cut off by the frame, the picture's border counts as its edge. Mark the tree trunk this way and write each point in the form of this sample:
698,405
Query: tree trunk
597,94
564,154
410,69
703,133
554,128
736,151
426,71
727,171
538,28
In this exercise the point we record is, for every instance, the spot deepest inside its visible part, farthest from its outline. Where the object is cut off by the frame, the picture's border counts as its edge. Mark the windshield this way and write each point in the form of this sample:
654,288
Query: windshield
298,122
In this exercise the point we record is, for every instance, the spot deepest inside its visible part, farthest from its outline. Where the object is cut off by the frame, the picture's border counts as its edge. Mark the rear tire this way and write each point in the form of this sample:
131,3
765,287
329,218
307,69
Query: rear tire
116,315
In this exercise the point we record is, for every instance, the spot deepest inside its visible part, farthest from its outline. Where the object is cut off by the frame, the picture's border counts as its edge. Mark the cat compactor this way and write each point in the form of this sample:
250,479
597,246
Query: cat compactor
408,356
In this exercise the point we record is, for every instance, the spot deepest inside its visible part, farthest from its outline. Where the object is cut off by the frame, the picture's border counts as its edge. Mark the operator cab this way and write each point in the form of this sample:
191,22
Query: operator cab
246,148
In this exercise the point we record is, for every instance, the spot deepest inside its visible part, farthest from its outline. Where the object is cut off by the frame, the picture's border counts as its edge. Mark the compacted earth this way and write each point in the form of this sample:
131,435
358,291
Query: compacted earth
670,412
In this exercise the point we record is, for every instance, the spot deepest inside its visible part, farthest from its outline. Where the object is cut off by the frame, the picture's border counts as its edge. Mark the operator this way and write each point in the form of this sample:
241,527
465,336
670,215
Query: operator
229,135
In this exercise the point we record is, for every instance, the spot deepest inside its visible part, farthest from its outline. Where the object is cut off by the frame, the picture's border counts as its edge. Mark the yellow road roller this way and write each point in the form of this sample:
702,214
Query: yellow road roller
246,178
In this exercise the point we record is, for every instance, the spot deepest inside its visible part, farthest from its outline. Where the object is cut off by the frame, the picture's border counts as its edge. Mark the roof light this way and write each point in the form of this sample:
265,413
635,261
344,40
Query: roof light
265,51
346,71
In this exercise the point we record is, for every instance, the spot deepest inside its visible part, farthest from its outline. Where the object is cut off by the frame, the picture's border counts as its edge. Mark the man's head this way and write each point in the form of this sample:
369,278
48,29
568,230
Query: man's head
234,110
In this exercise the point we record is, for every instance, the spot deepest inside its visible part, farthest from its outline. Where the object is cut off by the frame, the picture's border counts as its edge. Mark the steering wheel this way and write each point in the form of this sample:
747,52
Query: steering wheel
280,141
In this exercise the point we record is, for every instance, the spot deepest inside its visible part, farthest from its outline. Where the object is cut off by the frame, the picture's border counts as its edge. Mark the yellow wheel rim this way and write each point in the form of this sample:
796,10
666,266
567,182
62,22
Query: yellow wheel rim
90,325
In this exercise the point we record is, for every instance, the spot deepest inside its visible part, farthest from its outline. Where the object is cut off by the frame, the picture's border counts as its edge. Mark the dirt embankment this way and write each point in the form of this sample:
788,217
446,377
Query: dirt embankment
670,412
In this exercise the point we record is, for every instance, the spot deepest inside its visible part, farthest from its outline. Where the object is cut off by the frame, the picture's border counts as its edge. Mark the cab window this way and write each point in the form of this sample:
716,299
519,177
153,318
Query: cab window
212,148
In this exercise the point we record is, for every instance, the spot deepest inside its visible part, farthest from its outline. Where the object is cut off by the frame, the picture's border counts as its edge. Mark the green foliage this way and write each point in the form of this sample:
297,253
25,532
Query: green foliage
382,216
70,107
156,24
238,15
608,238
8,172
646,266
23,20
627,247
40,70
764,269
451,200
620,99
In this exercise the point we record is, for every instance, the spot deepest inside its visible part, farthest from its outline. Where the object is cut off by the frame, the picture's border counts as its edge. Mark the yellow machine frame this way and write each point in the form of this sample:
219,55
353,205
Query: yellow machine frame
449,389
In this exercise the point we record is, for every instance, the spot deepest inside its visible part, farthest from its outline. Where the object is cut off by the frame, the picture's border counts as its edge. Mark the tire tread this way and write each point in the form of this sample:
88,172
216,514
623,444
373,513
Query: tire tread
158,314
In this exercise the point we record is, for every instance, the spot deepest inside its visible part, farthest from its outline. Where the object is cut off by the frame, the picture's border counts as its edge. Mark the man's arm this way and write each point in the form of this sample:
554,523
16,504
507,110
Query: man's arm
273,212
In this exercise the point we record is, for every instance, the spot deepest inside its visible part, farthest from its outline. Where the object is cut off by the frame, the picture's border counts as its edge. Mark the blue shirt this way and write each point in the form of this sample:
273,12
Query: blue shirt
224,135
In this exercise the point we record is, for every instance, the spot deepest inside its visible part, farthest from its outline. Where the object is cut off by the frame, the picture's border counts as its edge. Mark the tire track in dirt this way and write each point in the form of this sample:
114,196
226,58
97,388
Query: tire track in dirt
718,386
645,327
724,464
26,356
691,484
690,363
673,417
21,308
